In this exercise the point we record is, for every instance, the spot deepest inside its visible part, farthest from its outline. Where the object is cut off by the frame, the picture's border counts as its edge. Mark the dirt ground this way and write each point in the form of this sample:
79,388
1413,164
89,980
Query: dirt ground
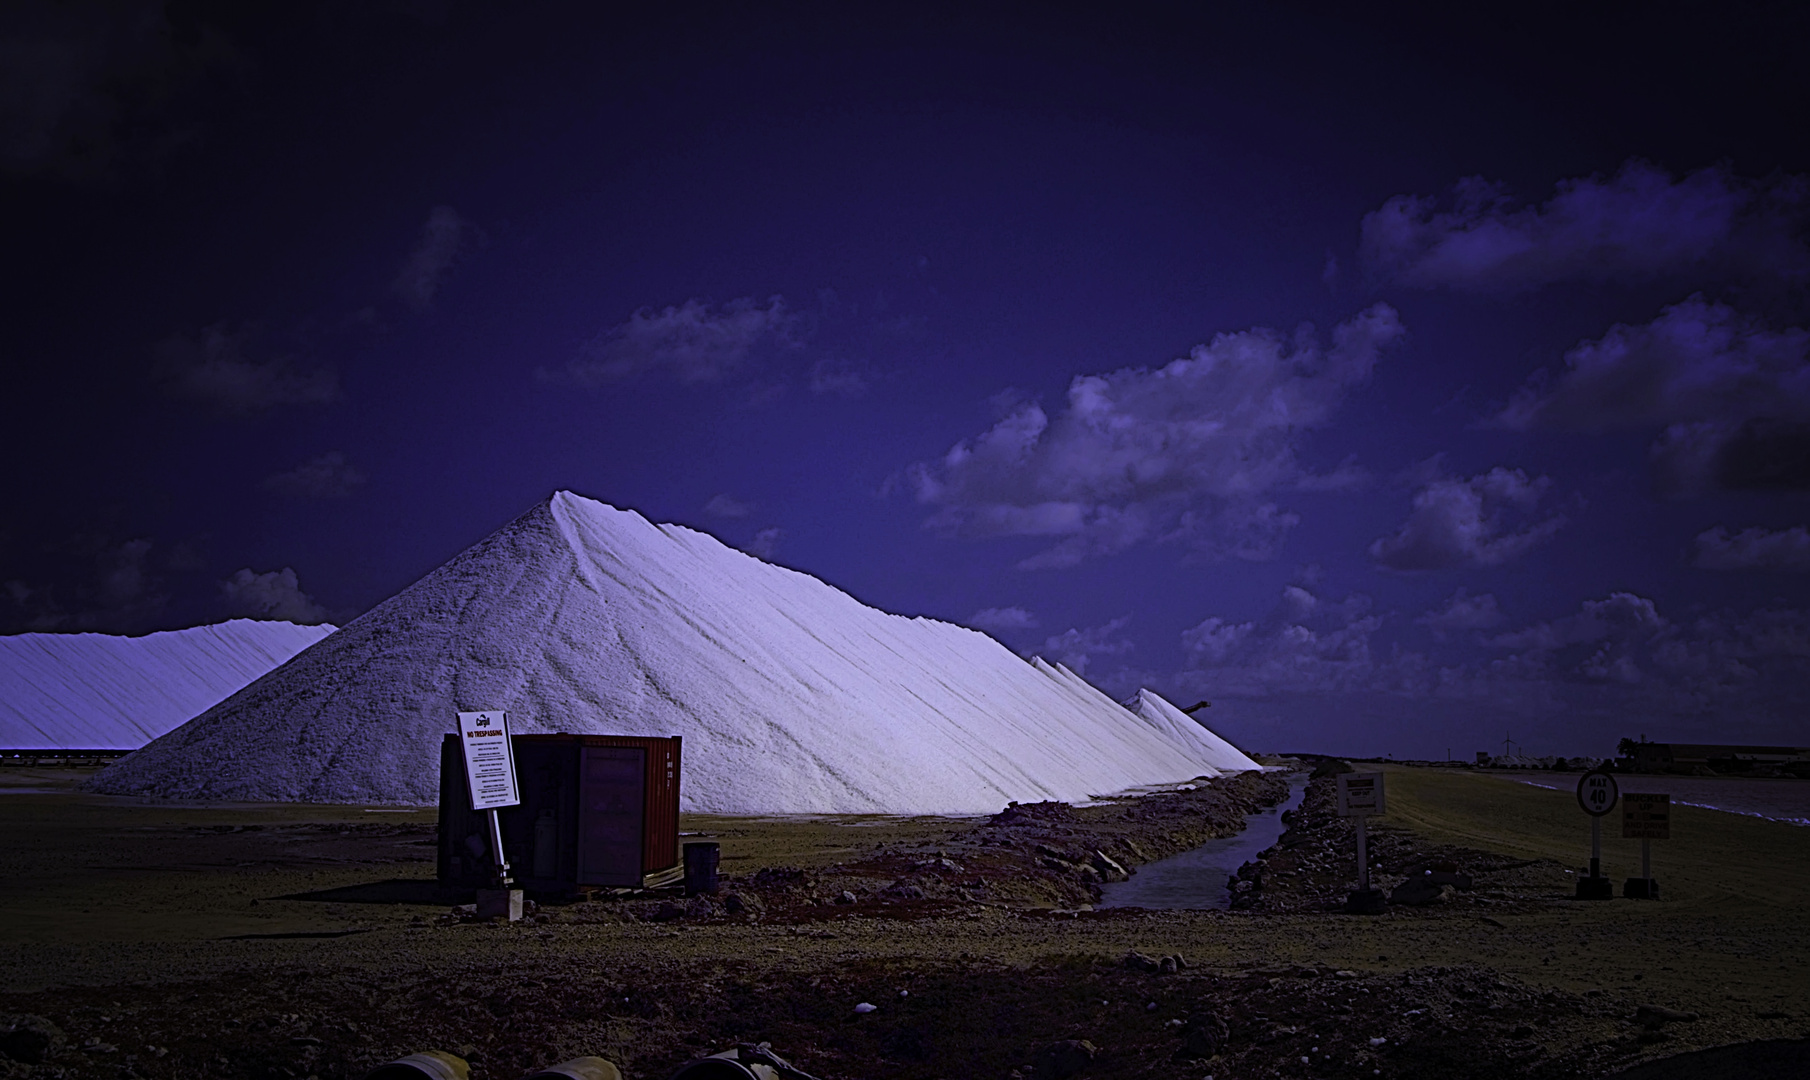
294,941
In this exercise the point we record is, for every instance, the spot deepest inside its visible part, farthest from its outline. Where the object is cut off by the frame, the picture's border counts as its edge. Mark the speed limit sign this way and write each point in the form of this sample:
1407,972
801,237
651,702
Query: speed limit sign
1596,793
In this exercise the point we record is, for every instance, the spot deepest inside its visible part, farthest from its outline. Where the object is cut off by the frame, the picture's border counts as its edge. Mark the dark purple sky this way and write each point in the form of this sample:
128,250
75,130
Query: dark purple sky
1392,383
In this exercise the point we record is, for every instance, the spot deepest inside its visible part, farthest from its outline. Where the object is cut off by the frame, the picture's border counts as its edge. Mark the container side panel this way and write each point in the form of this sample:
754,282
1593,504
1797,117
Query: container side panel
464,842
443,850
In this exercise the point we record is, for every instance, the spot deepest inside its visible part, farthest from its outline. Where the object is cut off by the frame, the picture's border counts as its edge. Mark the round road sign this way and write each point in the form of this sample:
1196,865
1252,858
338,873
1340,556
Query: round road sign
1596,793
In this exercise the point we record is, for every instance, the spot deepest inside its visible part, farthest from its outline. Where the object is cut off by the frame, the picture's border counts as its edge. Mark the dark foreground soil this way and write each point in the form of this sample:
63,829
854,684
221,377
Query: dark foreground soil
269,948
956,1018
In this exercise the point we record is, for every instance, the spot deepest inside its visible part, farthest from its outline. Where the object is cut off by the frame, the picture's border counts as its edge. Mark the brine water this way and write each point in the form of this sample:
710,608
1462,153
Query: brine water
1197,878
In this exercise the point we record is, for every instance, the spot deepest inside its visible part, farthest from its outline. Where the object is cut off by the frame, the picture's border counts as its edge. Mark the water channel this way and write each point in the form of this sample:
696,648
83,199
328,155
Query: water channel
1197,878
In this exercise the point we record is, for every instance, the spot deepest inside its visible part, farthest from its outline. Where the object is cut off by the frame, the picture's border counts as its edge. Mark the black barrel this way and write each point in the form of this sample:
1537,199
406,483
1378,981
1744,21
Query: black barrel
700,867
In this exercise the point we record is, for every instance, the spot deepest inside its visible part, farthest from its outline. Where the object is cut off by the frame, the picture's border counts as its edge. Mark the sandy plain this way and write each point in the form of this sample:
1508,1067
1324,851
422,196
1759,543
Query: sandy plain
173,940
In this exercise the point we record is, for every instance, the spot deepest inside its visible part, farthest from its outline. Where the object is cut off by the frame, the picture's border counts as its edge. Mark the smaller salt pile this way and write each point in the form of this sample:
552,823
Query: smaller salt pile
791,696
105,692
1184,729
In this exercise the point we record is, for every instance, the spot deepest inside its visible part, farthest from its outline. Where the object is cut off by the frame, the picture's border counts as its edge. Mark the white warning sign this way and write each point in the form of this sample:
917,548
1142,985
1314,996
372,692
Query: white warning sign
1360,794
489,759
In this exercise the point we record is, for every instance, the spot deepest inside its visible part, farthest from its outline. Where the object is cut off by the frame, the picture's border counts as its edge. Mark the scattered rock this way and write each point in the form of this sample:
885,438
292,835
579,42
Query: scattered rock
1060,1060
1168,965
845,897
1653,1016
866,1007
1420,892
1038,812
1138,961
1108,869
1205,1036
28,1038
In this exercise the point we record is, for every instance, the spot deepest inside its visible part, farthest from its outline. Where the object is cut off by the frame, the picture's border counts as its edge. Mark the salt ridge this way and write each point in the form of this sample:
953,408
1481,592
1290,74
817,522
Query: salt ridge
792,697
108,692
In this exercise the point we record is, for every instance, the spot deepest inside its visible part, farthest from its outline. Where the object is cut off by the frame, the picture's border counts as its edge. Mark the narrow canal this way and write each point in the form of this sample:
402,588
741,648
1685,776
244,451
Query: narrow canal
1197,878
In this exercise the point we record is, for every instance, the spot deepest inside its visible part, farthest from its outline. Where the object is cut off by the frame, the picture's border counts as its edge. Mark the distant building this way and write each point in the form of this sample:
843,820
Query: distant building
1522,761
1659,755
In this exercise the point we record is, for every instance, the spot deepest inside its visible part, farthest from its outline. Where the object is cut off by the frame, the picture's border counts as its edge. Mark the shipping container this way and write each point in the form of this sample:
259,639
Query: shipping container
597,811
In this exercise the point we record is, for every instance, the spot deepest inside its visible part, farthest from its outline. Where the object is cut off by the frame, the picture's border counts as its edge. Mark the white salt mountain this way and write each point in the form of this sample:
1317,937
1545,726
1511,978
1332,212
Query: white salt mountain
104,692
792,697
1181,727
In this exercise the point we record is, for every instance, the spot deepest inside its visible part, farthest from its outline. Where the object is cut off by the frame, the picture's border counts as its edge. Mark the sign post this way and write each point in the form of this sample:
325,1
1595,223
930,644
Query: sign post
1645,818
490,774
1596,794
1360,795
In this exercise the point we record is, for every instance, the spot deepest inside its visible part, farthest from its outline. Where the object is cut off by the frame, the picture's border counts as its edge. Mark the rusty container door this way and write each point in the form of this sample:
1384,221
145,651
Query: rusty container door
660,848
612,793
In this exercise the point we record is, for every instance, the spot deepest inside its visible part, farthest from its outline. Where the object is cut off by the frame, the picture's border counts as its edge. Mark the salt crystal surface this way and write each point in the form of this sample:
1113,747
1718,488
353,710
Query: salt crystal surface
792,697
106,692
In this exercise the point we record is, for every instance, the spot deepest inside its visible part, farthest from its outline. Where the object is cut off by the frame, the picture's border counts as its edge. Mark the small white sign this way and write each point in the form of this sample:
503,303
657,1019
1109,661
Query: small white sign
1646,817
1360,794
489,760
1596,793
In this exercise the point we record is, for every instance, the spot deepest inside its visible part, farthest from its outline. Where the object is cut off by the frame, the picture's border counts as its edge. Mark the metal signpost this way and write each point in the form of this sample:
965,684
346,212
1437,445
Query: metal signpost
1645,818
490,774
1596,793
1360,795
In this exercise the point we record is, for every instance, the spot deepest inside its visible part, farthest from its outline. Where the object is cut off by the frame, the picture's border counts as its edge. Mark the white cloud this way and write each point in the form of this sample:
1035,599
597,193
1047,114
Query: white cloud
765,543
1466,523
1754,549
842,378
1186,452
1639,223
274,595
1621,616
1305,645
690,341
443,237
1008,618
329,476
1463,611
1074,648
725,507
1697,360
214,370
1731,396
